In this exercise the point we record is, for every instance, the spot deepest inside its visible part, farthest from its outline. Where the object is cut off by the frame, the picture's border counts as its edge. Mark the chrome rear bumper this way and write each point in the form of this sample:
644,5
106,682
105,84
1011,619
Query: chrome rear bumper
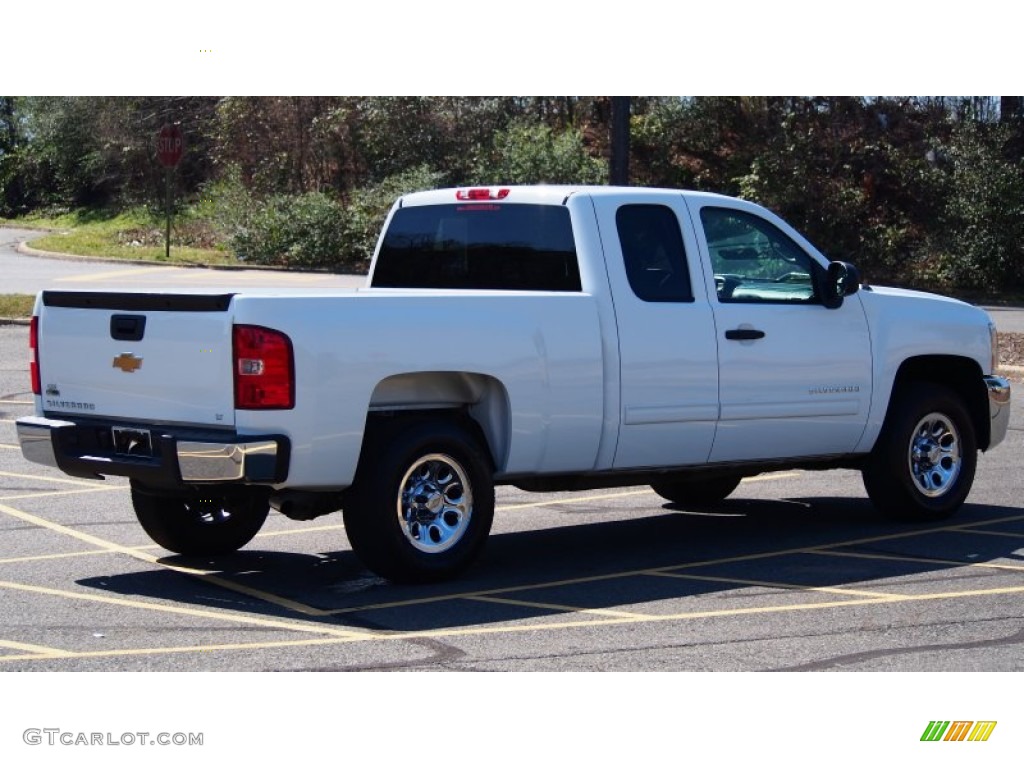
177,455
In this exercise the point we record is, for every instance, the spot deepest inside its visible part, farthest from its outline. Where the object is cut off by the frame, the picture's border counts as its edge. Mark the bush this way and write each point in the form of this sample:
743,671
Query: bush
983,233
304,231
369,207
534,153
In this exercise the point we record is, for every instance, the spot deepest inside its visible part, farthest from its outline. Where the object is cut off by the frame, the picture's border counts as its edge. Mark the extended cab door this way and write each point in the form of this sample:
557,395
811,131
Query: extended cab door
795,376
668,356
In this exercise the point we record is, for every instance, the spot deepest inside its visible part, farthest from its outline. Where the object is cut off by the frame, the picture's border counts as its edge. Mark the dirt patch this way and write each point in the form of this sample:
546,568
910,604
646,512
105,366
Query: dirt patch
1011,354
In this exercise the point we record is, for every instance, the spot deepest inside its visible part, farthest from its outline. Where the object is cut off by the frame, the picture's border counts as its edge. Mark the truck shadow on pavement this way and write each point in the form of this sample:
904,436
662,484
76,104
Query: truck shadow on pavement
679,563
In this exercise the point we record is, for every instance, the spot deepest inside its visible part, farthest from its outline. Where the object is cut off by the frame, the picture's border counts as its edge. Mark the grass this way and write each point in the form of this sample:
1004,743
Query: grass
16,304
136,235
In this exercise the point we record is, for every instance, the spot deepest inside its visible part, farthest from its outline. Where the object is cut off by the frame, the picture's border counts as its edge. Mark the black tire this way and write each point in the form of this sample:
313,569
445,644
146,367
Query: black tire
697,491
422,502
922,467
200,525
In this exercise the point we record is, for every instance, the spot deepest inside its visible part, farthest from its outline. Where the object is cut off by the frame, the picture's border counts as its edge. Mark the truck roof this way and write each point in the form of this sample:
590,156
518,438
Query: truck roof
542,194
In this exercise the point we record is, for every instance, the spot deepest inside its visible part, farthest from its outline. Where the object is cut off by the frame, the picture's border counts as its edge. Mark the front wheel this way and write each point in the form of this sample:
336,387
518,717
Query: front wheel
422,502
213,524
922,466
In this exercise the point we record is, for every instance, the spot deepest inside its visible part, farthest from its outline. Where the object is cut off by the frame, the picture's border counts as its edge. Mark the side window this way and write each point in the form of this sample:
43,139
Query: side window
652,248
754,261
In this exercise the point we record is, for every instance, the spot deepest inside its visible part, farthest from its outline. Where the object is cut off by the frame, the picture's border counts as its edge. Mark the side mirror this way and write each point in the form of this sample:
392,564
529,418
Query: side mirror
841,280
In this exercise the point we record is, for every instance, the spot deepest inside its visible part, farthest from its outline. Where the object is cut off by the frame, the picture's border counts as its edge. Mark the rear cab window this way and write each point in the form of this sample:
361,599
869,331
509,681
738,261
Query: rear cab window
653,253
479,246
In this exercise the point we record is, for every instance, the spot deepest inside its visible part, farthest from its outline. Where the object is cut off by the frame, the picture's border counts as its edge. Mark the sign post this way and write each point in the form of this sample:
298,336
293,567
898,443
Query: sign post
170,145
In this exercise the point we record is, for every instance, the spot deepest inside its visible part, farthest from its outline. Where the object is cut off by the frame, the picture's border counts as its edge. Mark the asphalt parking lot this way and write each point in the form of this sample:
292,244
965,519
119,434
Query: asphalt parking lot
795,572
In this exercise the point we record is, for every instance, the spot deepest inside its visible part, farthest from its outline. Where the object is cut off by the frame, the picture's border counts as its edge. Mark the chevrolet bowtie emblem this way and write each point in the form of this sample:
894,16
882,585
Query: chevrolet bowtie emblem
127,362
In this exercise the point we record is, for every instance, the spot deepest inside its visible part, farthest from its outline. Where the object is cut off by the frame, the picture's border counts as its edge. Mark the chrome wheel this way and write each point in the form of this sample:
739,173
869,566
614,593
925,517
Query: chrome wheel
935,455
435,503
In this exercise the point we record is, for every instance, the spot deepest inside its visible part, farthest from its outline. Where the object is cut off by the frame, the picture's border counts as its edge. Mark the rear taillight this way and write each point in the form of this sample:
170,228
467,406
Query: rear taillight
264,368
33,363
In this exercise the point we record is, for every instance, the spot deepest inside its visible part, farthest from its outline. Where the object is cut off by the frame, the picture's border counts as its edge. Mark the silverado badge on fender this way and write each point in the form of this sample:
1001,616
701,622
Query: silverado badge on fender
127,362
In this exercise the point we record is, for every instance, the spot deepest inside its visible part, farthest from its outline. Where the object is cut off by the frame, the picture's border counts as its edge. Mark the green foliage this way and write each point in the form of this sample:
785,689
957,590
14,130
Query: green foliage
135,234
303,231
226,204
369,207
922,191
16,304
97,151
983,238
535,153
310,231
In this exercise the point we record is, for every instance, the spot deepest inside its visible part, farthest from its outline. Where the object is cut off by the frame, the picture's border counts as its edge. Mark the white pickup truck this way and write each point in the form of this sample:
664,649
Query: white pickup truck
550,338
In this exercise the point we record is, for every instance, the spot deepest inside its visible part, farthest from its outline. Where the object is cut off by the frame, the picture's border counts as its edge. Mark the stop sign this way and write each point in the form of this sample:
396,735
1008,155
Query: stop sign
169,145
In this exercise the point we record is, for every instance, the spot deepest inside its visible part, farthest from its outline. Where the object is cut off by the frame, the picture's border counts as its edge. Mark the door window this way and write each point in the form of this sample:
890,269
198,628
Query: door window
754,261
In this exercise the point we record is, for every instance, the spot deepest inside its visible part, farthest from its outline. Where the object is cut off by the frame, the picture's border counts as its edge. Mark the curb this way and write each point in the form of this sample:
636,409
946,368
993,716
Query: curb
26,250
15,321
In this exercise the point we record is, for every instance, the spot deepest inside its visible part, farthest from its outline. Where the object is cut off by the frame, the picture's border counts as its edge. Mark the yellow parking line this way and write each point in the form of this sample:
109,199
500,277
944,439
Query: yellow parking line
923,560
291,531
293,605
101,276
43,494
1004,534
12,447
27,517
17,402
57,556
560,608
576,500
105,551
352,636
203,575
233,617
547,627
213,647
626,494
779,585
680,566
486,595
35,650
69,481
720,613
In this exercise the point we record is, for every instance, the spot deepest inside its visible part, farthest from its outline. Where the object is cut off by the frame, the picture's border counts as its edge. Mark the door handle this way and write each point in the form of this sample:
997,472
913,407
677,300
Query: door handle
744,334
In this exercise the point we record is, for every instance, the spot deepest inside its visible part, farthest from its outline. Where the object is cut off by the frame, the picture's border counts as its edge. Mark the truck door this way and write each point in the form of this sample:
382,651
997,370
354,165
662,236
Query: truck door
795,376
668,356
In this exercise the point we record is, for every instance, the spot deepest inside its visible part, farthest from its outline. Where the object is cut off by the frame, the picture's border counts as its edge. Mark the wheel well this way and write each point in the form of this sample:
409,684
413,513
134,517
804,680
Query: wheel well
960,374
477,401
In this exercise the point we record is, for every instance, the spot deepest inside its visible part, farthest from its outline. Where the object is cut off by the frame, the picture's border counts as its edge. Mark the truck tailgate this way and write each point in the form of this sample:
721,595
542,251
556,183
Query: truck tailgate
158,358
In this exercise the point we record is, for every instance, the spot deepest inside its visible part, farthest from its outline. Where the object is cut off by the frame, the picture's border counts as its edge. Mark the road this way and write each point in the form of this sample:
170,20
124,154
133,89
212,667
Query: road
31,274
796,572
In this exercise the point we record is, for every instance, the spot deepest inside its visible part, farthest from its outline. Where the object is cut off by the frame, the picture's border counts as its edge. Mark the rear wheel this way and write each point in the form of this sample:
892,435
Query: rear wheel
922,466
422,502
697,491
213,524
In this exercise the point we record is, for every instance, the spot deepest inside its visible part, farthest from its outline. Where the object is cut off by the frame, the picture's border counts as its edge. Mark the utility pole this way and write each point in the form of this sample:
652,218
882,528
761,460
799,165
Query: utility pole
618,170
